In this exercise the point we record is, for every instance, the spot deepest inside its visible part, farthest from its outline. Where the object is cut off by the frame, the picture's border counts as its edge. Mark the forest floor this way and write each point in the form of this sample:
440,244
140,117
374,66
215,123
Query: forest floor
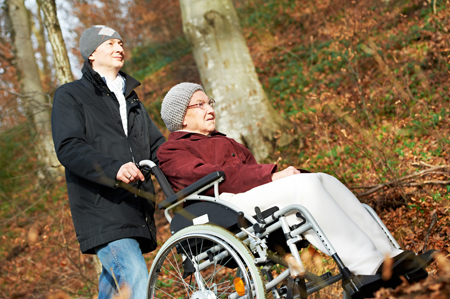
365,85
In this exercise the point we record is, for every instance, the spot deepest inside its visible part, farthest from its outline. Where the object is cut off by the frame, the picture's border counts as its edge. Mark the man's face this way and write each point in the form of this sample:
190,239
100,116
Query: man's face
109,54
200,120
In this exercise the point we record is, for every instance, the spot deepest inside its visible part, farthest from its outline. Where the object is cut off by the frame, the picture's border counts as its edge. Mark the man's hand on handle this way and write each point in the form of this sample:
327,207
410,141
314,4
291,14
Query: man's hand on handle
129,173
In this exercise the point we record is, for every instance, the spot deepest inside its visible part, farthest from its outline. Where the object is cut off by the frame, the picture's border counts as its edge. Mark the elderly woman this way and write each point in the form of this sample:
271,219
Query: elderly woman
195,149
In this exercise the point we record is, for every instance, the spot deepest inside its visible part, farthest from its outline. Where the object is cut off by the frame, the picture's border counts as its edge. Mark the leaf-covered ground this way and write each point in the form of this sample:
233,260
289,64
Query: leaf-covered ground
365,85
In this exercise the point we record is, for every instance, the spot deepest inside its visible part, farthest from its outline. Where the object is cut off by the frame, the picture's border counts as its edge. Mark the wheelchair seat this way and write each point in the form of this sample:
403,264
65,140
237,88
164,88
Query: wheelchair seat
204,212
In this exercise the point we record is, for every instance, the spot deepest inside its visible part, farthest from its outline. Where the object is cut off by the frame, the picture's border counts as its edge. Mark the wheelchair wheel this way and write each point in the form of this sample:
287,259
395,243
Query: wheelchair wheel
204,262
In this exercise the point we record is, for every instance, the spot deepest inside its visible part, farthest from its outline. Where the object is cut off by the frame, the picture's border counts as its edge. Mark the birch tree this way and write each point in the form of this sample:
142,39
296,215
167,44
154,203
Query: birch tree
228,75
39,32
36,103
60,57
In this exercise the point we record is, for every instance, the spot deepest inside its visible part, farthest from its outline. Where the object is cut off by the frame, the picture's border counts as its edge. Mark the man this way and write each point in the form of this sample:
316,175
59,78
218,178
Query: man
100,130
195,149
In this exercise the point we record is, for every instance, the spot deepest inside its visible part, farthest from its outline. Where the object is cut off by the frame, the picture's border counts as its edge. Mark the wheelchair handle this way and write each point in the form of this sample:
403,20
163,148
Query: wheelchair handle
159,175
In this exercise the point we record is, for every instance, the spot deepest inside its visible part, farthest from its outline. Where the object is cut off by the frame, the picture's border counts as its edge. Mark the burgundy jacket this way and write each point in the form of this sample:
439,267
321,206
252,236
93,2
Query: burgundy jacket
187,157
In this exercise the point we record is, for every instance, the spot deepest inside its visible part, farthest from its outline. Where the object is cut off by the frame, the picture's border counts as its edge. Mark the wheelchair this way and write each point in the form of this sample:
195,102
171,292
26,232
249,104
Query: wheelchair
217,251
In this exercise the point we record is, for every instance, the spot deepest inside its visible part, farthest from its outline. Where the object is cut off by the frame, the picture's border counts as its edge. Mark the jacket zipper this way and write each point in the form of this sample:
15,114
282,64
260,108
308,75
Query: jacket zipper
139,183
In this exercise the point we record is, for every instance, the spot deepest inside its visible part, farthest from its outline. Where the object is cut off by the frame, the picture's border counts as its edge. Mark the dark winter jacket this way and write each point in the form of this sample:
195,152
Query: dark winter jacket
91,144
187,157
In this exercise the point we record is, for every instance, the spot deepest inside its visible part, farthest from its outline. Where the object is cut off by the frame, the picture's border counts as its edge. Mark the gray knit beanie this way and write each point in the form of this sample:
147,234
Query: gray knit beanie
94,37
174,105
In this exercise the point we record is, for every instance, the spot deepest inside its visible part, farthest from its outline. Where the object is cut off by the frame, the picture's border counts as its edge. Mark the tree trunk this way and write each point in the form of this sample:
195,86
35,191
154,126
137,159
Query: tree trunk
60,57
39,33
36,103
228,75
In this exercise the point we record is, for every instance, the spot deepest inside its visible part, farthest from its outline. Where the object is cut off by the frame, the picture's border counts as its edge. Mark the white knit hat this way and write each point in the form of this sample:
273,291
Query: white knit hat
175,103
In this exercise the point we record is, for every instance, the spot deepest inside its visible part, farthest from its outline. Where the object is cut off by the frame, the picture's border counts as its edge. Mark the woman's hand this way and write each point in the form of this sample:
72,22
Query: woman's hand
291,170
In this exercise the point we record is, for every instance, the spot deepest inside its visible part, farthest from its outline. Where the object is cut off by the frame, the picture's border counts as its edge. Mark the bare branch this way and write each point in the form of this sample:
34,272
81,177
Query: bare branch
406,180
31,95
421,164
433,222
427,183
25,95
12,92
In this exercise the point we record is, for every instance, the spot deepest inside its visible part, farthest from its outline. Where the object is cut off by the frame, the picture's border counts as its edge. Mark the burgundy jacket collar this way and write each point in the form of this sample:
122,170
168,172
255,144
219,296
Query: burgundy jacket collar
192,135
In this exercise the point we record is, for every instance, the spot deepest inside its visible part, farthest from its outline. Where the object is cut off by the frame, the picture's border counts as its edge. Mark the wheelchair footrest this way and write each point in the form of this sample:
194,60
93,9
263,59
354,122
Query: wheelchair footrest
363,286
417,275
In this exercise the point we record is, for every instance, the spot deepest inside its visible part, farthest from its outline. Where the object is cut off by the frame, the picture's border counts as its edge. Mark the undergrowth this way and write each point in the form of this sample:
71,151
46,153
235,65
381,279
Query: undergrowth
365,84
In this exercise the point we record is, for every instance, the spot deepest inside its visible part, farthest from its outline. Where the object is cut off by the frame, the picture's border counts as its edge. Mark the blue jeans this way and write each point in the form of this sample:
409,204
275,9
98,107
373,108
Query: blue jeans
125,258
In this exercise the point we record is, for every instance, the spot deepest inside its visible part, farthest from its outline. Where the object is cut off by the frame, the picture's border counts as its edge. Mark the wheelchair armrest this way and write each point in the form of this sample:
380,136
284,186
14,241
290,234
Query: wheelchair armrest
208,179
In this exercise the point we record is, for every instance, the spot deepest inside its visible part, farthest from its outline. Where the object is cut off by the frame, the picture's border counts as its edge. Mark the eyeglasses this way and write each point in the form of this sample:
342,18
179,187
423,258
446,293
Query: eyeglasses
201,104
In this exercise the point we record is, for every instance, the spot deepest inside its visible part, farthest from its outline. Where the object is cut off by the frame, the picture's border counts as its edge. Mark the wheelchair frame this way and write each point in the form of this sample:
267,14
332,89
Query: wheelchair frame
253,237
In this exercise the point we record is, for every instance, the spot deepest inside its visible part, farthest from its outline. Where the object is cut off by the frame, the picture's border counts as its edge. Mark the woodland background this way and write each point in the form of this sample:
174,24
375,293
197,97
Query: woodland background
363,85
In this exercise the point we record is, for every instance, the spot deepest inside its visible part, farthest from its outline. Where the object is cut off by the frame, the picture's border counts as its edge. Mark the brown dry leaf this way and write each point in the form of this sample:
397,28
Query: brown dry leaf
25,295
318,262
58,295
63,263
434,287
386,273
33,234
124,293
305,255
412,288
383,294
317,259
306,258
443,263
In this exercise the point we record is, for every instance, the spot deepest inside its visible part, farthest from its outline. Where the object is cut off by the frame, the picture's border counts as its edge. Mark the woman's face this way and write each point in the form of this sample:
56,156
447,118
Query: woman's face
200,120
